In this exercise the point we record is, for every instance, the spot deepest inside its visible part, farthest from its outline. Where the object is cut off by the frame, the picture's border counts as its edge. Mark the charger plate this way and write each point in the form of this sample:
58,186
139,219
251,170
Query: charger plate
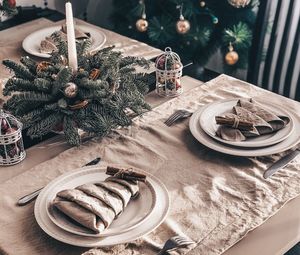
291,141
140,217
209,125
31,43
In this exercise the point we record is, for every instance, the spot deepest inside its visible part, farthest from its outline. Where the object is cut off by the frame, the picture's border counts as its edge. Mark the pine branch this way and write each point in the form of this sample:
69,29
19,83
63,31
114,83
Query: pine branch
44,126
29,63
93,85
126,61
19,70
70,131
15,84
239,35
51,107
60,44
32,117
83,47
43,85
63,77
161,29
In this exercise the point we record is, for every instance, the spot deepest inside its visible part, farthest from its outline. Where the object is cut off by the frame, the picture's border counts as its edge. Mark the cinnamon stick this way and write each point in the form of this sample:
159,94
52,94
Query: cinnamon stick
126,174
244,125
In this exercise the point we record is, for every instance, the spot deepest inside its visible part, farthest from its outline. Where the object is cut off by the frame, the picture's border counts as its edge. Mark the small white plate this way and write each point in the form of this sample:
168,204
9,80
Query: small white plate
134,214
213,144
145,224
209,125
32,42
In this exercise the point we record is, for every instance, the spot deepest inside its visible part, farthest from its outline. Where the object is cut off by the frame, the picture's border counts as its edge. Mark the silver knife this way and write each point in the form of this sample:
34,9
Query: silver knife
30,197
281,163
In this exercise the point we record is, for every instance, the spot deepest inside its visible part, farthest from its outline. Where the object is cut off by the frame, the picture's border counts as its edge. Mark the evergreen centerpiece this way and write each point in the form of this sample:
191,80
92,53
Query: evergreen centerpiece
96,98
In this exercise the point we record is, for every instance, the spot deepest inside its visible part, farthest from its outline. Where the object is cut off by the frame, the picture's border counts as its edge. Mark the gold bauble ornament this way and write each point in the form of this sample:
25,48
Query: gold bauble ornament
232,57
182,25
71,90
202,3
239,3
141,25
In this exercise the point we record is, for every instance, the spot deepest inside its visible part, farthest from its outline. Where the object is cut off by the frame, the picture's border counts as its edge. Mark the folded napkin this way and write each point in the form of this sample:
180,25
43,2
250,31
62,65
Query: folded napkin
95,206
248,119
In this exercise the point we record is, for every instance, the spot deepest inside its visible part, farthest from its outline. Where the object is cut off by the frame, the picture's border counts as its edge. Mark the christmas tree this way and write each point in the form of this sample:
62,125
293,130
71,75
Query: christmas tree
193,28
104,93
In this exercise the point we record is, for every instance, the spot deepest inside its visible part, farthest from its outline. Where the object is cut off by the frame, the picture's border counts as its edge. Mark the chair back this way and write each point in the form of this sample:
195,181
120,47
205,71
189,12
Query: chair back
274,62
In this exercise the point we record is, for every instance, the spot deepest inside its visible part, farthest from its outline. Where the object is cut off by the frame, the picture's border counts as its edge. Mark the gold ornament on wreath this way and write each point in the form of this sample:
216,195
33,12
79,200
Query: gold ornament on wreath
239,3
182,25
168,73
231,57
142,24
71,90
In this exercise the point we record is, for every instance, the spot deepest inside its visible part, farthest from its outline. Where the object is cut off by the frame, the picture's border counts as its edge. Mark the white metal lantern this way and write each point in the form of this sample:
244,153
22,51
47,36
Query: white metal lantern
11,142
168,73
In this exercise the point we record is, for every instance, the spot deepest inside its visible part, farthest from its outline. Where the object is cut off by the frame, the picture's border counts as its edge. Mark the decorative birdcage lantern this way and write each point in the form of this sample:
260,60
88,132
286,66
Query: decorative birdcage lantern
11,142
168,73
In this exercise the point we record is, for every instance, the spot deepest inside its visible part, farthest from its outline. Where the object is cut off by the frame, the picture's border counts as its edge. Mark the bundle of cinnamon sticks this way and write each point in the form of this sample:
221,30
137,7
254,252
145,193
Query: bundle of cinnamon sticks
126,174
243,125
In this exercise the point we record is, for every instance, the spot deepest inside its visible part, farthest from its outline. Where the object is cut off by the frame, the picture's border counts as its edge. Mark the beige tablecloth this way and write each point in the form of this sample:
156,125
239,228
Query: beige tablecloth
215,199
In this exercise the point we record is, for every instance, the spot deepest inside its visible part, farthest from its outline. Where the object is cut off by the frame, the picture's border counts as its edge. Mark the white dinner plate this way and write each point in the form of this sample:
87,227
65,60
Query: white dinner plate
209,125
32,42
135,213
133,223
213,144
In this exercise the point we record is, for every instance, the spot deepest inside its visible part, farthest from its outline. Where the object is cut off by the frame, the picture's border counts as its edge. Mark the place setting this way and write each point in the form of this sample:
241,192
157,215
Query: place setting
245,127
102,206
41,43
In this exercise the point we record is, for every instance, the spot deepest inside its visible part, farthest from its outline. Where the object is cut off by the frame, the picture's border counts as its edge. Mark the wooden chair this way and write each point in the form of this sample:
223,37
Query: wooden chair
274,62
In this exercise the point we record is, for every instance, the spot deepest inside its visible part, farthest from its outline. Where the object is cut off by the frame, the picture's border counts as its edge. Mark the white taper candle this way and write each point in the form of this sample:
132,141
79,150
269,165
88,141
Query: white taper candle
72,53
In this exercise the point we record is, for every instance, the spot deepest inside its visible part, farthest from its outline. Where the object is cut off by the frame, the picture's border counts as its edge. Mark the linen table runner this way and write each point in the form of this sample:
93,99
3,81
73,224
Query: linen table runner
215,198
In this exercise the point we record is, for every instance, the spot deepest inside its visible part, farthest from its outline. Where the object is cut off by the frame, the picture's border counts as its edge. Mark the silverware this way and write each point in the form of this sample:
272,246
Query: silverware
30,197
175,242
281,163
180,114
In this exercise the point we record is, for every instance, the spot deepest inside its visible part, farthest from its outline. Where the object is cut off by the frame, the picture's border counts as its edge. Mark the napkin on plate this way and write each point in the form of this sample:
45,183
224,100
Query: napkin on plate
95,206
248,119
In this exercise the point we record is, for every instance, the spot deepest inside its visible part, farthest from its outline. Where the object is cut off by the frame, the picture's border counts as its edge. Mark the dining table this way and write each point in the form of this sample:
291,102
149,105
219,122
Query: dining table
220,201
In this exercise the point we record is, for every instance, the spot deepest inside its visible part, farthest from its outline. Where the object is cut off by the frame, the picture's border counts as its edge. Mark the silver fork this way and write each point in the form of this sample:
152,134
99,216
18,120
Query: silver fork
177,115
176,242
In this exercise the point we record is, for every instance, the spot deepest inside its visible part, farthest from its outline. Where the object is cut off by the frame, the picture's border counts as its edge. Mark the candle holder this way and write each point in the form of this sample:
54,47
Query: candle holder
11,143
168,73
